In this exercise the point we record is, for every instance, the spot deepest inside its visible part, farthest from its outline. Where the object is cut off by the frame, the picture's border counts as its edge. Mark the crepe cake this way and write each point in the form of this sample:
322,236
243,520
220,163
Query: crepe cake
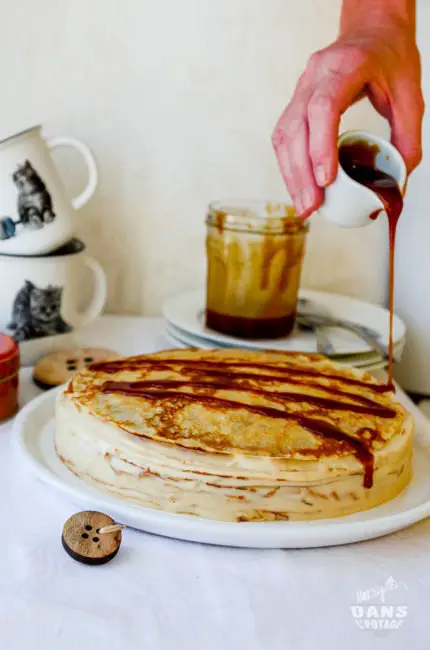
236,435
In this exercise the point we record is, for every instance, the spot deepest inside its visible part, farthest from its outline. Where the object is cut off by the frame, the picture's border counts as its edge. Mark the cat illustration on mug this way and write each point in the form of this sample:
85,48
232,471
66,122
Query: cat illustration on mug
34,201
36,312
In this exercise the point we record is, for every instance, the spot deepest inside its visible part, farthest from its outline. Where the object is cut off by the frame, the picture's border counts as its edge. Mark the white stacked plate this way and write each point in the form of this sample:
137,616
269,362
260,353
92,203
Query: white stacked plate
185,327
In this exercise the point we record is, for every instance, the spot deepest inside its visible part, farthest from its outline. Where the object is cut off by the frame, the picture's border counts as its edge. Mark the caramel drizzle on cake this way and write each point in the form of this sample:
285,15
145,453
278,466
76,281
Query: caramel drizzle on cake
284,370
232,377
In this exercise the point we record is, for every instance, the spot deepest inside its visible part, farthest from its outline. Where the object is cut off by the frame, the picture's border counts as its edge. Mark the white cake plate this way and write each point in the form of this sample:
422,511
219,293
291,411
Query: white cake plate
34,436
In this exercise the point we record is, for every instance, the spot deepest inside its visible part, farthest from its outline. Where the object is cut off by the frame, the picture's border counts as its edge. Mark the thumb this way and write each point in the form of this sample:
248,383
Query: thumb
406,125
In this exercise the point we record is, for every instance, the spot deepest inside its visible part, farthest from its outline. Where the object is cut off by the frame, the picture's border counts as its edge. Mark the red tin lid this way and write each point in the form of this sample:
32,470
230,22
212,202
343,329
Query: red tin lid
9,355
8,347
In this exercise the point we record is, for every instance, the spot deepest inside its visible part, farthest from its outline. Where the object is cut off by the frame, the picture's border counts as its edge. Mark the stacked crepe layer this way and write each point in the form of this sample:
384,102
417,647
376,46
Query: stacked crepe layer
236,435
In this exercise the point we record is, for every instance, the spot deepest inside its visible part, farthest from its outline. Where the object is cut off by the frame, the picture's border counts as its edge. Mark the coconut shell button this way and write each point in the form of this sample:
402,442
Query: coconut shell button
59,367
91,537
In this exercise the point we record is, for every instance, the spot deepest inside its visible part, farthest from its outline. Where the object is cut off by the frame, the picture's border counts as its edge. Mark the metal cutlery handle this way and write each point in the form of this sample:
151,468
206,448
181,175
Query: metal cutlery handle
316,321
324,345
307,308
364,334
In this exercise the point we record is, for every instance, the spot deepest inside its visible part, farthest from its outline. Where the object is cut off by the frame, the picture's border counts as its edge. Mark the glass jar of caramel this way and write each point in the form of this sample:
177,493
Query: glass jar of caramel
255,251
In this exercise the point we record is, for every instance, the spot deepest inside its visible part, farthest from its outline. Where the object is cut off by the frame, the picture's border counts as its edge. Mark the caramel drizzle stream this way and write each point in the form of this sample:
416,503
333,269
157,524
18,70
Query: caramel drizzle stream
155,390
282,370
276,378
369,408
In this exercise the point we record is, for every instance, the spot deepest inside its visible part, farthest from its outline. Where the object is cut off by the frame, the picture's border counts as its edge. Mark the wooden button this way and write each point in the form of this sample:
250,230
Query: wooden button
83,541
59,367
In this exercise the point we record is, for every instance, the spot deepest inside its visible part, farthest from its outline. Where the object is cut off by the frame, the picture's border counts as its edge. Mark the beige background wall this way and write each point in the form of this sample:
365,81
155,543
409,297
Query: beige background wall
177,98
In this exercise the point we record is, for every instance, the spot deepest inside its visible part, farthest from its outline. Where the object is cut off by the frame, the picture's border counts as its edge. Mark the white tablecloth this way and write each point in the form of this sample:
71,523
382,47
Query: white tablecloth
161,594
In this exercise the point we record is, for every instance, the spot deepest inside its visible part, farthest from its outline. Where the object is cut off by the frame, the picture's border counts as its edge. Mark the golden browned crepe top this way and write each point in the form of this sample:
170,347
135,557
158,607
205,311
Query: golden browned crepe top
277,404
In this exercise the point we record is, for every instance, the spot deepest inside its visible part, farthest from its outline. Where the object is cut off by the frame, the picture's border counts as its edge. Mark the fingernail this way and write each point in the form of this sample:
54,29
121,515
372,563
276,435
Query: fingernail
305,200
299,204
321,175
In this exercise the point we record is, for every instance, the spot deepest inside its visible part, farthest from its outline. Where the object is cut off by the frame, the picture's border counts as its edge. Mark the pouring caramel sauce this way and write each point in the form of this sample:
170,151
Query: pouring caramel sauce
358,160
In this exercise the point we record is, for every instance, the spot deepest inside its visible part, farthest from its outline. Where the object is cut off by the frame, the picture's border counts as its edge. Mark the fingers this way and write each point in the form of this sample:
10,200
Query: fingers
291,143
324,118
341,81
329,100
305,138
308,196
406,124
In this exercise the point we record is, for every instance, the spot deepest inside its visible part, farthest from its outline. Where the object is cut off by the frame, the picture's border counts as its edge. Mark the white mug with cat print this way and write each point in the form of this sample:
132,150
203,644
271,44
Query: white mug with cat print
41,296
36,217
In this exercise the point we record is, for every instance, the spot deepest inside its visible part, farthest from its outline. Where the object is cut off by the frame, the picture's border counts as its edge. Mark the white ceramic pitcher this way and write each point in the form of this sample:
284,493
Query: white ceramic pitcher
36,217
349,203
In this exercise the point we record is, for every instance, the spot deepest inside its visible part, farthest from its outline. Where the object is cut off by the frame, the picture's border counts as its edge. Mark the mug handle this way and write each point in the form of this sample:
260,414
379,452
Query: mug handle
93,176
95,308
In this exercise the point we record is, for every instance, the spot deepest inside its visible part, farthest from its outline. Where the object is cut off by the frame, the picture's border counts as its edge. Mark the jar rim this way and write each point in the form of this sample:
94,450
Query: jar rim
256,216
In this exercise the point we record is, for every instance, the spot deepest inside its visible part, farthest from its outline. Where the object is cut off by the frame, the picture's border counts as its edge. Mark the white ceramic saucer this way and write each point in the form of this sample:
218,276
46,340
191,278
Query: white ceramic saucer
376,363
186,312
34,437
179,339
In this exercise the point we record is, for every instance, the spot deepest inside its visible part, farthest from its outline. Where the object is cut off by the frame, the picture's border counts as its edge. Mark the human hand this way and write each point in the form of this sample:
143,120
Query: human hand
381,63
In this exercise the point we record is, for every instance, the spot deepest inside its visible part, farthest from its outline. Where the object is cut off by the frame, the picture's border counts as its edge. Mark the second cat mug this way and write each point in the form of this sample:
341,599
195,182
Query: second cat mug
40,297
36,217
